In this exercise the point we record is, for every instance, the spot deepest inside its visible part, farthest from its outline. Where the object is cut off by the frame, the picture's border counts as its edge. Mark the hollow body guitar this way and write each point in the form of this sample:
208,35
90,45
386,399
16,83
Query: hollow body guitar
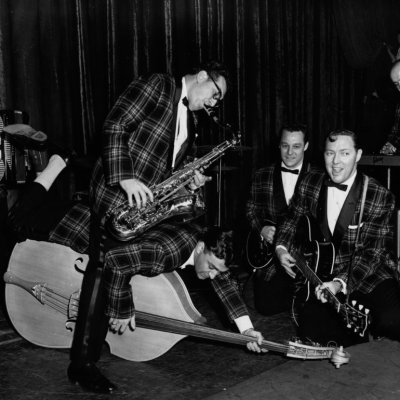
315,260
42,299
259,252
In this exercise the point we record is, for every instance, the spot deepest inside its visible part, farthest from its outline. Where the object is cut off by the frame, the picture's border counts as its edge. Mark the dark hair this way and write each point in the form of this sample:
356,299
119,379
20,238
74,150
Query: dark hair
332,137
215,69
220,242
294,128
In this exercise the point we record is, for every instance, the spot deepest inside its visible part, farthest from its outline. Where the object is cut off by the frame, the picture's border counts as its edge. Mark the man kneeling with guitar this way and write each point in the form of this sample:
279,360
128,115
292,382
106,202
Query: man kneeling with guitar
353,212
271,192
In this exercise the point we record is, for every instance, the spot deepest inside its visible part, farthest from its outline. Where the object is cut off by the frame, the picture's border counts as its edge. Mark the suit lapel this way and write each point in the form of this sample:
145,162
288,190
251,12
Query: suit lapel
279,193
322,215
305,167
188,143
348,210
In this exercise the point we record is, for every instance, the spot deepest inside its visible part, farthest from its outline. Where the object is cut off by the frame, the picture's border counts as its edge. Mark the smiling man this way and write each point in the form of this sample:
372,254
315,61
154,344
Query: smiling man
271,192
164,249
146,136
334,200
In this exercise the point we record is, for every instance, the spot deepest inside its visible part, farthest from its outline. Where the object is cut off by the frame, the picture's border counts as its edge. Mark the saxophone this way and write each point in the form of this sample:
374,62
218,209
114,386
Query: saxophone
125,222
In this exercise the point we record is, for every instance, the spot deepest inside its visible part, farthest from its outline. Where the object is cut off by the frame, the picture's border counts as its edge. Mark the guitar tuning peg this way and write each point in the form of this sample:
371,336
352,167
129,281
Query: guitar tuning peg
353,302
366,311
360,307
355,329
349,325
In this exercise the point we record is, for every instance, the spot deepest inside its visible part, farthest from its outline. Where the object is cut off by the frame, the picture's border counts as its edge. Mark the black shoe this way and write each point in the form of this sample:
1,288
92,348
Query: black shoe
67,154
26,136
89,377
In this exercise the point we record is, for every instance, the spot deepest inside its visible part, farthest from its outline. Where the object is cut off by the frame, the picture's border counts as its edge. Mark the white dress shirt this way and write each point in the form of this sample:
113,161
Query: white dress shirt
336,199
289,181
181,123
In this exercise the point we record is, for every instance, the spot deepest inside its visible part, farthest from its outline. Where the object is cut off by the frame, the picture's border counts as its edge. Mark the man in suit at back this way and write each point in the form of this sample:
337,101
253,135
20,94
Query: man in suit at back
271,192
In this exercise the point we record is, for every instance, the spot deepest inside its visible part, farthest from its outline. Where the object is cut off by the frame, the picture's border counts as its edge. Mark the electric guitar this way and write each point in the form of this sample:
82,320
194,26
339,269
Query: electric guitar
259,252
315,260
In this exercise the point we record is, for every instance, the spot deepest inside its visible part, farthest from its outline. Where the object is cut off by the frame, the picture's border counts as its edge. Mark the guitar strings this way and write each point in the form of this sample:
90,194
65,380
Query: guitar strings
308,272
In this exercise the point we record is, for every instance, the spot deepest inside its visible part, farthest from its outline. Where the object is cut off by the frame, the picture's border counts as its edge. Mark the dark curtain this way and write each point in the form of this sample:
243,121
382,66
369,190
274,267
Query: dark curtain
363,26
65,62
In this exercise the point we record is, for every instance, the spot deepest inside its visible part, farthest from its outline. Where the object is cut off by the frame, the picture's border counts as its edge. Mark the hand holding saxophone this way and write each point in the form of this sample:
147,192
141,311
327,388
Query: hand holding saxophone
137,190
198,180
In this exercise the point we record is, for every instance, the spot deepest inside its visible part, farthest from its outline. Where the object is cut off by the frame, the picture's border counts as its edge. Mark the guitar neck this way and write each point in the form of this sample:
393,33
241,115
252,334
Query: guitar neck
291,349
315,281
151,321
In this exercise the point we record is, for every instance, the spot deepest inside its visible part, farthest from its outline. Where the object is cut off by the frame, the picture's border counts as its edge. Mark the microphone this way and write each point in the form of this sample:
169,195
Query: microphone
211,113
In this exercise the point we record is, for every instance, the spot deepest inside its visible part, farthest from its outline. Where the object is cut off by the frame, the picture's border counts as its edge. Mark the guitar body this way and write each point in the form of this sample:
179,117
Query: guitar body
315,259
259,252
61,270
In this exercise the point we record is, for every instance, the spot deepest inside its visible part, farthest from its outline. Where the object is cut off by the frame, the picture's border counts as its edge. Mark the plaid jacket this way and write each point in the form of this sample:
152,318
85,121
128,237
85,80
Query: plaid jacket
374,262
162,249
267,202
73,229
136,137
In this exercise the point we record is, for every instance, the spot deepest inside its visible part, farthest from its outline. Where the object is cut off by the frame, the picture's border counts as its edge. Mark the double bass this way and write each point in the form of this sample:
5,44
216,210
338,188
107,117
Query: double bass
42,298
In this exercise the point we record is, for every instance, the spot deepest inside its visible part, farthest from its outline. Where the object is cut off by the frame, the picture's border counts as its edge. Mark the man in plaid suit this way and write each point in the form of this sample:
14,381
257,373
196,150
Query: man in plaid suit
334,200
271,191
146,135
166,247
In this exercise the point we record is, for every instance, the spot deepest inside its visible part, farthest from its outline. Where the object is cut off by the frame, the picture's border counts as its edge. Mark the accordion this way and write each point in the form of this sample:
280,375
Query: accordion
14,162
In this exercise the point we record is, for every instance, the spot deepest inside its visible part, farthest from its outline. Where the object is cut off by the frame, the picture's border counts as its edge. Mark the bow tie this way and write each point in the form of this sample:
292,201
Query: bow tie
185,101
291,171
329,183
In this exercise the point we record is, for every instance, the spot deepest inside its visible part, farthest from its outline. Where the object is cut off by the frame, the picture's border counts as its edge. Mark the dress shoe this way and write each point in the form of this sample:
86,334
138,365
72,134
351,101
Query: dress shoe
67,154
89,377
26,136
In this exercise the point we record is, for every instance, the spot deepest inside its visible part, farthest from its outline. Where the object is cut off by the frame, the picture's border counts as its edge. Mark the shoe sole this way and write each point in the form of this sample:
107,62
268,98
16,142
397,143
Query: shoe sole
26,131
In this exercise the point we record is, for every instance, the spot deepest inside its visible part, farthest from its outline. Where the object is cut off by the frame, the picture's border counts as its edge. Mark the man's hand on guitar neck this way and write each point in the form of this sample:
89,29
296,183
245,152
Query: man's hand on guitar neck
119,325
286,260
268,233
254,346
320,290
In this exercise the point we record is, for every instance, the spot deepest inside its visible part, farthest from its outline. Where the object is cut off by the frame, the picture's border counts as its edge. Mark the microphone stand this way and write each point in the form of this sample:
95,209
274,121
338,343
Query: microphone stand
211,113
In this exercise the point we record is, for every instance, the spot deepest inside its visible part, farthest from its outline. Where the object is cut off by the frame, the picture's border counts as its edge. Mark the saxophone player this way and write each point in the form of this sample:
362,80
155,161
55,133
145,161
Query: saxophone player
147,133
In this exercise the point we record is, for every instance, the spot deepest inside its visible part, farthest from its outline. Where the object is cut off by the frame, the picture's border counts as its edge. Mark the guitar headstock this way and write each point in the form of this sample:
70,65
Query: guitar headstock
314,351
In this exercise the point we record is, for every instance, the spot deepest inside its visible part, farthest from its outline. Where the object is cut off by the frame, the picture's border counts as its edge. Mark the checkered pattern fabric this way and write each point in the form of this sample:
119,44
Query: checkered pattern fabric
162,249
262,206
374,263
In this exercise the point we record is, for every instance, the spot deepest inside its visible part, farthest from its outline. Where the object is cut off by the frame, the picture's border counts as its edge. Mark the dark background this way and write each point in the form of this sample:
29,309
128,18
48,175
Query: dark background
317,62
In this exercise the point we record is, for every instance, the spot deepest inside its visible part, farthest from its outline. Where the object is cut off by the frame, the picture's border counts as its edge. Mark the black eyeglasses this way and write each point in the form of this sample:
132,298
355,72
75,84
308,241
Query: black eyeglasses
216,96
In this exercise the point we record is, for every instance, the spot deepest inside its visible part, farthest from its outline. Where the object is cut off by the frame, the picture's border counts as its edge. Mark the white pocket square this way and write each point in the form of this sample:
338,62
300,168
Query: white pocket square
356,226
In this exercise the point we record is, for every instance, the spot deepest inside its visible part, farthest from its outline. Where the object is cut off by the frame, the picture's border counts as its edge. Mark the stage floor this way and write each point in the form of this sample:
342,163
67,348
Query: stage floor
200,369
